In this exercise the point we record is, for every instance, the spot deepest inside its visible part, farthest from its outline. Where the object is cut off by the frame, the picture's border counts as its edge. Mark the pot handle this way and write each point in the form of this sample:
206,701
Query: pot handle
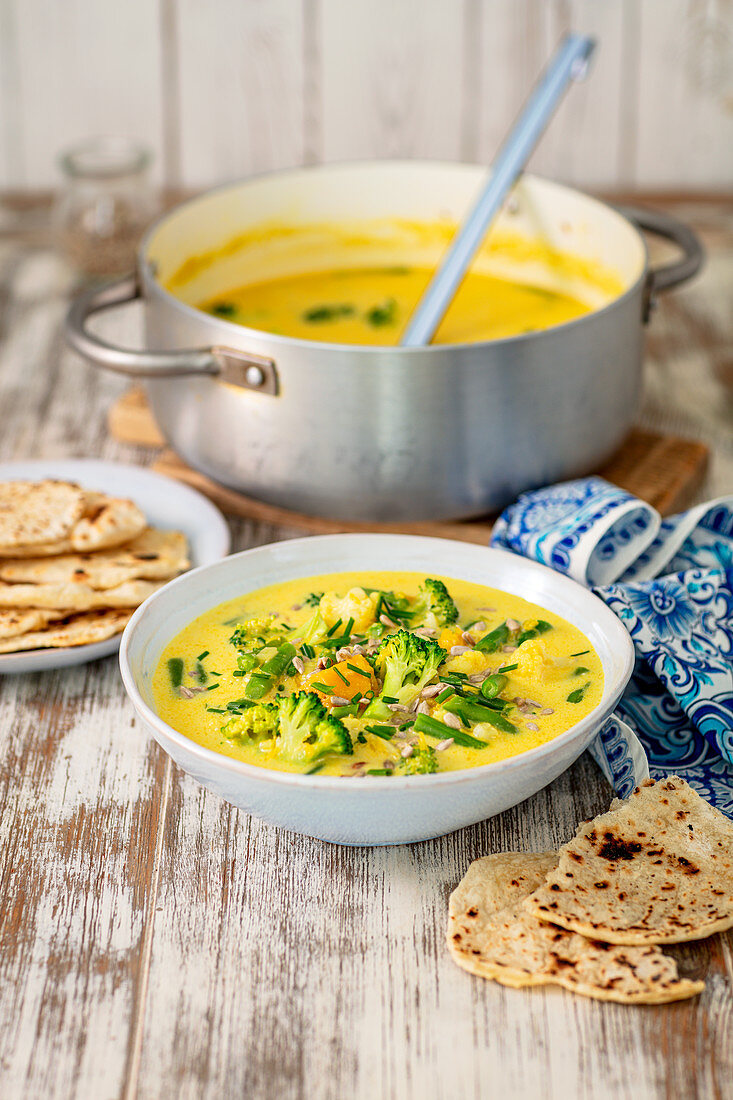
251,372
676,272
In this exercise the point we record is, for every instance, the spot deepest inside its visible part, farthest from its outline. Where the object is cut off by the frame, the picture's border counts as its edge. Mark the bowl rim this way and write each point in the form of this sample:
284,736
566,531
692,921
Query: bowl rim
153,288
604,708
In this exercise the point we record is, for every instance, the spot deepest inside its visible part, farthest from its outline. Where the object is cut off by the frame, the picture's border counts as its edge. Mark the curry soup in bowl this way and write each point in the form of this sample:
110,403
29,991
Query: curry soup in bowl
205,683
376,673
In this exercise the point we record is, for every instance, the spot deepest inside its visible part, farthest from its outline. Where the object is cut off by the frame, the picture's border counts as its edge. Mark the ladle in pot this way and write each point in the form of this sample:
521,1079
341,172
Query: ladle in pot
569,63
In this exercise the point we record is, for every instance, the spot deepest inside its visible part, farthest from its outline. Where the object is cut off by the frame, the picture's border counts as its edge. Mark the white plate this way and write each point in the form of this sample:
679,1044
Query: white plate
166,503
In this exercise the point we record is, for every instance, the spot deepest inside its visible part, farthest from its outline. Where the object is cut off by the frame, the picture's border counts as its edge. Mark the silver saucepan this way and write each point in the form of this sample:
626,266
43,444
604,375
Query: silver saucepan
385,433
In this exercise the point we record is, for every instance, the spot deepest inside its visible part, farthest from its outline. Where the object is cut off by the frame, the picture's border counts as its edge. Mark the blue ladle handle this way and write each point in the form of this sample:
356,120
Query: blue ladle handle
570,62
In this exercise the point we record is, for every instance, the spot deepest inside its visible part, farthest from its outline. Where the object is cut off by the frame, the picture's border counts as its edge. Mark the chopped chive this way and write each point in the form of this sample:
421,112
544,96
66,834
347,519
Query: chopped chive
360,671
201,656
508,668
379,771
581,654
361,738
334,628
212,687
349,626
308,651
580,670
319,686
239,672
212,673
316,767
445,694
216,710
389,699
340,674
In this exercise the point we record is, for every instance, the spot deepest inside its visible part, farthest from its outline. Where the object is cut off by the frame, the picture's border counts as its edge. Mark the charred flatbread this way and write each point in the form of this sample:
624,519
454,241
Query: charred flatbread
36,512
655,869
492,934
153,555
76,597
74,630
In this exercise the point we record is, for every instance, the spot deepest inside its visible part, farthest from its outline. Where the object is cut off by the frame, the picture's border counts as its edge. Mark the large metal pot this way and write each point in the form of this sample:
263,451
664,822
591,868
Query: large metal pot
389,433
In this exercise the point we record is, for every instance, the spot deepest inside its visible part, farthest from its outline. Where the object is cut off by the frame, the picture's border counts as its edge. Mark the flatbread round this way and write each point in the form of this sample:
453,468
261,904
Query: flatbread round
154,555
76,597
76,630
37,512
107,521
655,869
491,934
13,623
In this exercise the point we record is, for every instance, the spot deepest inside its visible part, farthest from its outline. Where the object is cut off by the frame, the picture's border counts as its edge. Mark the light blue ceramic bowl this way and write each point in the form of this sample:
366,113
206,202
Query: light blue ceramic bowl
371,810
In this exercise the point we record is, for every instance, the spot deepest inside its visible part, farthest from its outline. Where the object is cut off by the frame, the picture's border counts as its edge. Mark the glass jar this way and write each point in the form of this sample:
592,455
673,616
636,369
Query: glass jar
105,205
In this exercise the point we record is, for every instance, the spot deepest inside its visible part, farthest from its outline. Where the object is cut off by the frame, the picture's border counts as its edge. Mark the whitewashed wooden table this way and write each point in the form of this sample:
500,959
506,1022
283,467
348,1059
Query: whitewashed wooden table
156,942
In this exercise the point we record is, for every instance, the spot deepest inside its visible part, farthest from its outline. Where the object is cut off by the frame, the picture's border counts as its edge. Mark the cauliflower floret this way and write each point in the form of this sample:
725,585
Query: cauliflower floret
356,605
536,663
469,663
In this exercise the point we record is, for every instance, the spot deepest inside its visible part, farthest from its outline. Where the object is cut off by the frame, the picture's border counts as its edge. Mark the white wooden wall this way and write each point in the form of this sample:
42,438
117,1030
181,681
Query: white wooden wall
222,88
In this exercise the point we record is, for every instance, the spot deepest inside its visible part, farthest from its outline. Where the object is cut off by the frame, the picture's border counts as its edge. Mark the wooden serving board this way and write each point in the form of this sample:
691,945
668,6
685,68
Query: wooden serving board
664,470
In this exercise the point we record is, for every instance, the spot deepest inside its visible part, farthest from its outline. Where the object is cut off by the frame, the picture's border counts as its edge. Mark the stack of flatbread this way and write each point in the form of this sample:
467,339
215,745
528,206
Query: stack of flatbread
657,869
74,564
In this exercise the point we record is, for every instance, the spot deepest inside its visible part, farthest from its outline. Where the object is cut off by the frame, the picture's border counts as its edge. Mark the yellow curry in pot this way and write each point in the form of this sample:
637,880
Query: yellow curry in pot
371,305
376,674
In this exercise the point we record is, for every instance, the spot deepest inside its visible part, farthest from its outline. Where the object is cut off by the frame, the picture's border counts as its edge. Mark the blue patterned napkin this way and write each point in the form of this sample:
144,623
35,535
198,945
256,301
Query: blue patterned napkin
670,581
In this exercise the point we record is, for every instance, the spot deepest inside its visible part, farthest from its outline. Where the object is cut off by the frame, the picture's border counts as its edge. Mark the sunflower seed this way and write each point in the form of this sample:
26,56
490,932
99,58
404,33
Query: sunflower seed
386,621
407,751
339,701
532,725
298,664
452,720
468,639
443,745
423,708
431,690
513,624
457,650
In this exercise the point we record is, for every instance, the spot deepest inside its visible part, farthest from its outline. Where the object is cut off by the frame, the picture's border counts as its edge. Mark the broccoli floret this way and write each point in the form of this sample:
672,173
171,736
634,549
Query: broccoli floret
252,636
258,723
434,606
308,731
422,762
406,663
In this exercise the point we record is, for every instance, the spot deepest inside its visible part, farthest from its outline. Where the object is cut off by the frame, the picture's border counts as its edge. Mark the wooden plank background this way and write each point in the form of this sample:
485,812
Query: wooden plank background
223,88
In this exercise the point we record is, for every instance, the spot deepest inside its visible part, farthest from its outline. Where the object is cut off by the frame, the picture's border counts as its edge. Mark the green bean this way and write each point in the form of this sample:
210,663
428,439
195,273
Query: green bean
493,685
469,712
265,678
494,640
175,671
431,727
